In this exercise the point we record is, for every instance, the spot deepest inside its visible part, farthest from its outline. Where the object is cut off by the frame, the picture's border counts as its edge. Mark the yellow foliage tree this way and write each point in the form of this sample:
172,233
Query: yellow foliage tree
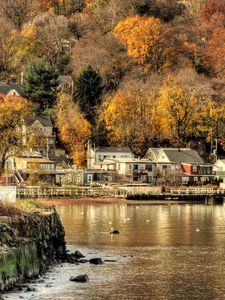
27,42
213,121
148,41
180,112
74,129
128,120
12,112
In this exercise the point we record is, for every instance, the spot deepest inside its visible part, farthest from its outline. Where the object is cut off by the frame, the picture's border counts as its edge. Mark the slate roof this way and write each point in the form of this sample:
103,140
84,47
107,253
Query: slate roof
183,155
43,119
5,88
113,149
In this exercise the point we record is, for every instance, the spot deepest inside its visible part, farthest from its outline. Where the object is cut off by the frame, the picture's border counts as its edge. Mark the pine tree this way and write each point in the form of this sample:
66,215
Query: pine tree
88,91
40,83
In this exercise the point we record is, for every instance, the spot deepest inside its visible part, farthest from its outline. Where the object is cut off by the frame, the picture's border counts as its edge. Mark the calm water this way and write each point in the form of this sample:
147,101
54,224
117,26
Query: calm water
162,252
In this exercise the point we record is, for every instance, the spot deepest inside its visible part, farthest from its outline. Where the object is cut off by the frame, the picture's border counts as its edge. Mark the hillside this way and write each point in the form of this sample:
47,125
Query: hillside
136,73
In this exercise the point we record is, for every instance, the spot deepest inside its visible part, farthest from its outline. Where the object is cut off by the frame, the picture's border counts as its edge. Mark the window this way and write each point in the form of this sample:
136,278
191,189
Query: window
149,168
194,168
89,177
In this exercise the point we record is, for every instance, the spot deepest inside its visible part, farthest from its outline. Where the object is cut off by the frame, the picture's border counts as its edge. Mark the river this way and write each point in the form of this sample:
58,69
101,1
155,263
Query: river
162,252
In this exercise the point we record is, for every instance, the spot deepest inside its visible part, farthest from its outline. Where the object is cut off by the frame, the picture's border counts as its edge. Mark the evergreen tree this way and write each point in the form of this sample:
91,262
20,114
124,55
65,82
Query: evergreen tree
40,83
88,91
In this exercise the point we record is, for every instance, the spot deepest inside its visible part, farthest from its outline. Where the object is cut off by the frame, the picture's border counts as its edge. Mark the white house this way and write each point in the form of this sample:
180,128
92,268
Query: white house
219,170
130,169
96,155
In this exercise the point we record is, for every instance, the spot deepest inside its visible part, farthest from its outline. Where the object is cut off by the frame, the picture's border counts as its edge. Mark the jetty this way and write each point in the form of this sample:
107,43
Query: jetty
129,192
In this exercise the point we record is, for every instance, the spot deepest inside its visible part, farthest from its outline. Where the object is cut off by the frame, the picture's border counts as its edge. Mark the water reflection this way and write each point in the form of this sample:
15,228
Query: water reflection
144,225
162,252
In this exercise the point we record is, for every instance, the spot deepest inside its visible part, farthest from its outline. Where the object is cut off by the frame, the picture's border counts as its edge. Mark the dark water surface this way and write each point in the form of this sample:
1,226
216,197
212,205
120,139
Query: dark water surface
162,252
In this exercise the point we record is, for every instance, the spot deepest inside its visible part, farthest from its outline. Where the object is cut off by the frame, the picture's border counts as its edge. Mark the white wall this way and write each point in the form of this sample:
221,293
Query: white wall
8,193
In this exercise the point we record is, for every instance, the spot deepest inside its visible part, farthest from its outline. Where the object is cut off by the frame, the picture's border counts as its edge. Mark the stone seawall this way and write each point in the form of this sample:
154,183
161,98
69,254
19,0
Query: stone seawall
29,243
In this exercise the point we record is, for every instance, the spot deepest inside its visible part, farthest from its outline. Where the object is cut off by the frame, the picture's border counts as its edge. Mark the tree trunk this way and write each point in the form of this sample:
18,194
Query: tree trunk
3,161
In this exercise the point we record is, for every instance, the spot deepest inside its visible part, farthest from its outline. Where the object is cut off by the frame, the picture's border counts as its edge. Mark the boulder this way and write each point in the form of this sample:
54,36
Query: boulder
71,259
80,278
96,261
78,254
114,231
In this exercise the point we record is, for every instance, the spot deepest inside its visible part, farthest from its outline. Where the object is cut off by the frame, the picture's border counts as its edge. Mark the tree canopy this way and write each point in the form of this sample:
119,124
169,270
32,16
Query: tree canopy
40,83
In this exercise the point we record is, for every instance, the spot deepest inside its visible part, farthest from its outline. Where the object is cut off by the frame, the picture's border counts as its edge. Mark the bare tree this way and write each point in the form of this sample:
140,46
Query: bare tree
17,11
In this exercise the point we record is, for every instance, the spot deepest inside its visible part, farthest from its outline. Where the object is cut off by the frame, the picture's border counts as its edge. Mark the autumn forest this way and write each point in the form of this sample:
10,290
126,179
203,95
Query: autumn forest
144,72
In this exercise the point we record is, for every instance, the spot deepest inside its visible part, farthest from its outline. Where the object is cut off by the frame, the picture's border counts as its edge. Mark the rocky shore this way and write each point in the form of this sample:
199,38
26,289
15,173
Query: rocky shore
29,243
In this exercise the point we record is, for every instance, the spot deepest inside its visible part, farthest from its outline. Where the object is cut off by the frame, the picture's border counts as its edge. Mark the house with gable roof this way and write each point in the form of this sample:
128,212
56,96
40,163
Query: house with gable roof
180,165
96,155
219,170
11,89
37,131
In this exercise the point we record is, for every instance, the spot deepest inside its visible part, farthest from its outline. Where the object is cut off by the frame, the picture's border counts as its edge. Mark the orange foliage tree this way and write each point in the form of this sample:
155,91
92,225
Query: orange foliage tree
212,13
215,53
74,129
148,41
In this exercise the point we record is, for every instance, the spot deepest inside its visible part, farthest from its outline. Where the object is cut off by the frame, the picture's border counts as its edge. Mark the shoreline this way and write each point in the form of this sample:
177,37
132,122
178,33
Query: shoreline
110,200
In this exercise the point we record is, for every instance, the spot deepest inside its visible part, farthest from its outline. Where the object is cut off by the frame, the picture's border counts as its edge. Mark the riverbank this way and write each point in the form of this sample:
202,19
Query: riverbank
30,241
105,200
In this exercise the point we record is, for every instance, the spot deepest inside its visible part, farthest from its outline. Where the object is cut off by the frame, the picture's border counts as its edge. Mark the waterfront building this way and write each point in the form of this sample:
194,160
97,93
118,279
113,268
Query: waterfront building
131,169
179,166
219,171
96,155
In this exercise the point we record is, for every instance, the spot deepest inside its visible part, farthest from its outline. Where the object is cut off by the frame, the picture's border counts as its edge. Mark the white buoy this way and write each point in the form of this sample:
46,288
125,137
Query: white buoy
197,230
147,220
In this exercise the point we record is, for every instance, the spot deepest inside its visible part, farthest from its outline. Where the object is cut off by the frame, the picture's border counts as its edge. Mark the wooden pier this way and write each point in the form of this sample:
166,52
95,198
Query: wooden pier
197,195
64,192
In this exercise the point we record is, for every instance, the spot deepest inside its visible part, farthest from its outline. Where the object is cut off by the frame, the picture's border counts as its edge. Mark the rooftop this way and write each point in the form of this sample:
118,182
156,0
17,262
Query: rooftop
5,88
183,155
128,160
113,149
43,119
